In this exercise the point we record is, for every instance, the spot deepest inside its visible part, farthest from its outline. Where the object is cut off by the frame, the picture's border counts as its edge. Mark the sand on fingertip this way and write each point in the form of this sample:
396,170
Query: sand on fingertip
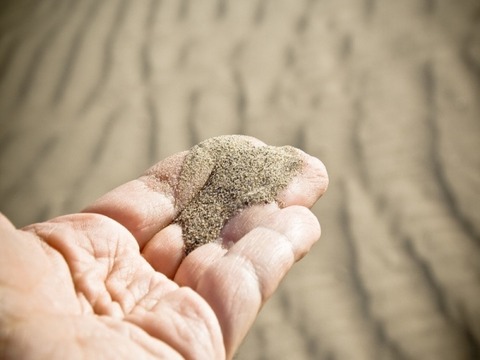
223,175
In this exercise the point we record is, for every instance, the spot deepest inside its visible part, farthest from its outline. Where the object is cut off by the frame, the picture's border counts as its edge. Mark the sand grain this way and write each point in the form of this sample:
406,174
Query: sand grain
236,174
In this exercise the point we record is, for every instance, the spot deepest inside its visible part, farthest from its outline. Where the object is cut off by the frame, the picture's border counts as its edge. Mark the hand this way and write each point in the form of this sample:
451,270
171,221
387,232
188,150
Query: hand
113,282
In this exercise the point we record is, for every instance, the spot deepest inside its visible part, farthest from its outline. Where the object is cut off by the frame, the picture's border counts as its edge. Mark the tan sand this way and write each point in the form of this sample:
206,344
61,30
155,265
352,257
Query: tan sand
240,175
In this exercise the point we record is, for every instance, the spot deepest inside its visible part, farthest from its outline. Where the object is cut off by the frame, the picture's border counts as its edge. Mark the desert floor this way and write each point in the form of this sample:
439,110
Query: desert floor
385,93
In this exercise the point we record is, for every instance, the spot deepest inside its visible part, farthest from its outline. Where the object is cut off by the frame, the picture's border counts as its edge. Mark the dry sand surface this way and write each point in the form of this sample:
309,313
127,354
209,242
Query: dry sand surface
386,93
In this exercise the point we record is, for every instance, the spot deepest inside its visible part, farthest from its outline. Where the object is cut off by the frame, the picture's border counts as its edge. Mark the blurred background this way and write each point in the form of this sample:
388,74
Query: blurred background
386,93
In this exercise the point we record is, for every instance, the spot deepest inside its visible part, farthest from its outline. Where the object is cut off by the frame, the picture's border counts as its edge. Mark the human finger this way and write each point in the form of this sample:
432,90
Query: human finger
144,205
237,283
165,250
148,205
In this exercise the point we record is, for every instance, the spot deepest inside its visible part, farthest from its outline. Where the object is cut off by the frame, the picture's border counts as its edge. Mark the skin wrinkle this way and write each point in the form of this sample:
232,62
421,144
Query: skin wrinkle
119,286
281,239
181,304
141,296
84,257
257,274
129,282
149,301
52,255
243,261
282,221
133,333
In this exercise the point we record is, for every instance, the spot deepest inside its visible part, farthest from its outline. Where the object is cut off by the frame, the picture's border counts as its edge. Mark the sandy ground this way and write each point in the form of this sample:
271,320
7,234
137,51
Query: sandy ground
386,93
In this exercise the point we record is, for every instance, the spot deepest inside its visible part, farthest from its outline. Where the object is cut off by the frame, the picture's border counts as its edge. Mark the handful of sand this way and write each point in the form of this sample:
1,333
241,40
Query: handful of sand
235,174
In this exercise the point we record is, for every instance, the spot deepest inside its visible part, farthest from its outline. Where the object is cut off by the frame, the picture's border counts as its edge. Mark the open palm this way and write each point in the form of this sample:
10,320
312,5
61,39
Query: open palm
113,281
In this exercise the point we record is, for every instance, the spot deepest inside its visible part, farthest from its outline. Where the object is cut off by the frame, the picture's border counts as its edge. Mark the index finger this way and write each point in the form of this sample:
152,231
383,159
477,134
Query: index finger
144,205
